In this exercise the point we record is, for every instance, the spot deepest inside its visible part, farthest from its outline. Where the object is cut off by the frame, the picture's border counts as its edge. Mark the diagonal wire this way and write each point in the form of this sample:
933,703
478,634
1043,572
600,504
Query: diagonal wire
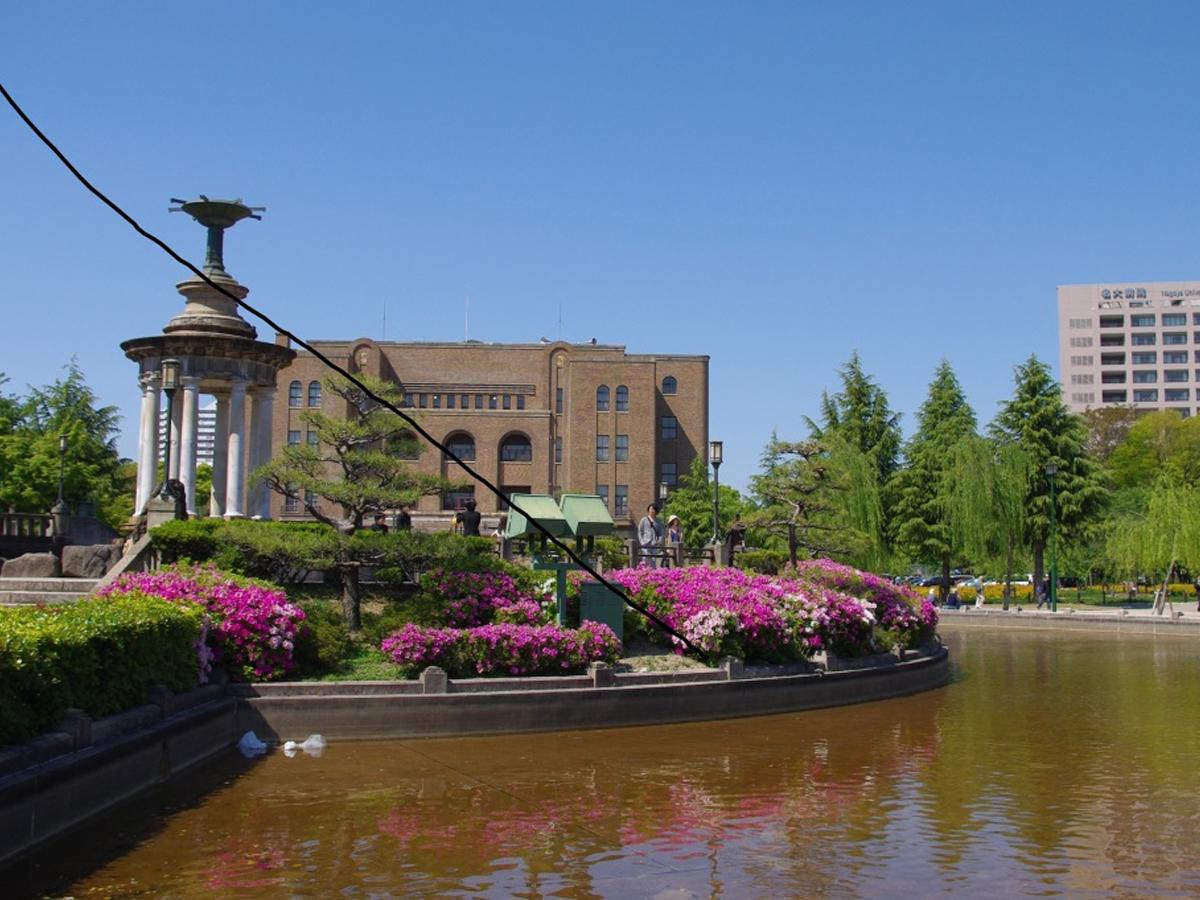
416,426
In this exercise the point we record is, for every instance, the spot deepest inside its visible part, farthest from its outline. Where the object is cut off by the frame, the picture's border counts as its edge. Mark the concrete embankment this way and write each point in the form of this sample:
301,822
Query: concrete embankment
1116,621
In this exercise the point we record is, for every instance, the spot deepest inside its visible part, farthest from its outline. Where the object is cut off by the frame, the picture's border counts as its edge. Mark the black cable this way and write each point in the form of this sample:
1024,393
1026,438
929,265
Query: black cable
267,320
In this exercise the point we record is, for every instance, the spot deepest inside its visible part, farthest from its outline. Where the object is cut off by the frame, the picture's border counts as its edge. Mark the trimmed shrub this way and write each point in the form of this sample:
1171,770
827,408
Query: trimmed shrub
99,655
254,626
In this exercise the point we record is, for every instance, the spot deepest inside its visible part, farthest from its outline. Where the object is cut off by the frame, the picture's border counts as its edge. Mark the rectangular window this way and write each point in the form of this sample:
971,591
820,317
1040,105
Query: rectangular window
1083,360
293,438
1112,378
310,499
1083,379
602,448
1117,340
1145,376
1146,395
464,401
437,401
1175,337
457,499
1196,318
1174,320
520,401
311,437
670,428
291,503
1112,321
408,399
602,492
558,449
1083,398
1081,323
1113,396
1141,320
1175,376
1174,358
622,447
450,401
479,401
493,400
1087,341
1175,395
667,474
558,400
622,500
1144,357
1144,340
507,401
423,400
1112,359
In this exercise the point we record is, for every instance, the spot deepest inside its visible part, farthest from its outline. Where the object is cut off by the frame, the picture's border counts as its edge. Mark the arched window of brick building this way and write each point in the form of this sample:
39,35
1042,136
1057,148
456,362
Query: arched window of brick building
622,398
602,398
461,445
314,393
516,448
670,385
294,390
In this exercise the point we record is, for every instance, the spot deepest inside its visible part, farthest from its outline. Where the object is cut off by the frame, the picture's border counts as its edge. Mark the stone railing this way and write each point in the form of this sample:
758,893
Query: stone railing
26,525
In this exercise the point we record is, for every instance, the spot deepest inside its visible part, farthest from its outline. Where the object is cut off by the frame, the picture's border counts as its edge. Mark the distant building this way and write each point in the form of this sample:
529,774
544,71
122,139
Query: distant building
206,434
1135,343
551,417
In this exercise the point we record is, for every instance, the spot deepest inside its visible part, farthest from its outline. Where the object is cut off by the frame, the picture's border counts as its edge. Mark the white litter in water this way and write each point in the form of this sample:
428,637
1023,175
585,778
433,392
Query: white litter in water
313,745
250,745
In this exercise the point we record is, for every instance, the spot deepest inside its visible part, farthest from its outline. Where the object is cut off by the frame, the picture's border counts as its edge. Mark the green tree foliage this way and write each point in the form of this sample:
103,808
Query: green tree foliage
1037,421
362,464
859,415
30,428
1157,442
692,501
923,515
1160,535
1107,427
797,489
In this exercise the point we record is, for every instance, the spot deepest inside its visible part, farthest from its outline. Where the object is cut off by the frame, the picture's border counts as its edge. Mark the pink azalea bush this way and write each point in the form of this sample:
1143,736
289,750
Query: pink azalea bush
502,649
250,629
820,606
470,599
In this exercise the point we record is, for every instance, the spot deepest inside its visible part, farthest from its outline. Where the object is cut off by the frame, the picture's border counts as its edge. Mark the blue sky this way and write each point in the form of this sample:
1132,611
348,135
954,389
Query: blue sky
775,185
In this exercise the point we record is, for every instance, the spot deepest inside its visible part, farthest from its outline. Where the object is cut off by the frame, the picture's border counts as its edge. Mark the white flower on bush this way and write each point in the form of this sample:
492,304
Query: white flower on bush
708,628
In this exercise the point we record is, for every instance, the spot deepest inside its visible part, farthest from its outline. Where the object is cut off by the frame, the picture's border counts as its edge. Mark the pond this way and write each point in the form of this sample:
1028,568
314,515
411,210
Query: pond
1051,764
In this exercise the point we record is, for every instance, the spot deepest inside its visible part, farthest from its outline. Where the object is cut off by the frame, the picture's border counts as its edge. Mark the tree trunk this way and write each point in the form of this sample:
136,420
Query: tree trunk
792,544
944,587
351,609
1008,572
1039,567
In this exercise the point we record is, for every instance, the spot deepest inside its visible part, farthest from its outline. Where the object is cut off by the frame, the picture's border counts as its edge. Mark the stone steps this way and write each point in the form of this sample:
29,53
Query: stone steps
30,591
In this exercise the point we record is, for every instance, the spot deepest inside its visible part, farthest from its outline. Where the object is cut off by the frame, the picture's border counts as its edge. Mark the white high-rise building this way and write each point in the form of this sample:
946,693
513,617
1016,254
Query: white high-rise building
1132,343
206,433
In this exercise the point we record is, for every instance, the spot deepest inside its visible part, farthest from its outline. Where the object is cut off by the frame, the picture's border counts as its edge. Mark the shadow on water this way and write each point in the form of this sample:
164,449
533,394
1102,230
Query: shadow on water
132,823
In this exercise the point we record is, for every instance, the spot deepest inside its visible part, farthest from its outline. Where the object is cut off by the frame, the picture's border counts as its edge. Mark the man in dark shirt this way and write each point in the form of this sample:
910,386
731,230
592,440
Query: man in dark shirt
404,519
470,519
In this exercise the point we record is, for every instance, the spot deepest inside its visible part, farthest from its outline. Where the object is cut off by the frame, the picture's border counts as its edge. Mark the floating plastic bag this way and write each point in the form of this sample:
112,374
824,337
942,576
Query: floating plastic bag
250,746
313,745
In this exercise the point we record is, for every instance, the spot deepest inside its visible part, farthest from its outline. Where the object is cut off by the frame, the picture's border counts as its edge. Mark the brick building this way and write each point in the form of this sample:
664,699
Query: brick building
549,418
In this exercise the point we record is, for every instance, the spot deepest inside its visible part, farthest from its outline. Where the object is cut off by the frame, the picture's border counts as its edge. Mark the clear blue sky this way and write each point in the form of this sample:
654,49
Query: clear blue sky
775,185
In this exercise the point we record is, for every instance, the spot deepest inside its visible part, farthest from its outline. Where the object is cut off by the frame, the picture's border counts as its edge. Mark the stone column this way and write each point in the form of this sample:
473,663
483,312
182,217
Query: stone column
216,503
174,431
264,406
148,440
235,482
188,434
253,485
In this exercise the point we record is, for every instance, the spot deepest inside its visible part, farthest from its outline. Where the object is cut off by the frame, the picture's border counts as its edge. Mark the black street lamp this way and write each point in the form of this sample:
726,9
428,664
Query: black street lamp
715,458
1051,471
170,384
662,495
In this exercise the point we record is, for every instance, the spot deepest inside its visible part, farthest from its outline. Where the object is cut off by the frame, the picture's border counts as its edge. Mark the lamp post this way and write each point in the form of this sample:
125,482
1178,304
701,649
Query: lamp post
170,384
716,457
62,460
662,495
1051,471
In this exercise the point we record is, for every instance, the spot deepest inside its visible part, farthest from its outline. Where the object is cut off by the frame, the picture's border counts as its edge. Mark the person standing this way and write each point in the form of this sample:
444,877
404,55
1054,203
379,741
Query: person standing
674,541
650,536
469,518
404,519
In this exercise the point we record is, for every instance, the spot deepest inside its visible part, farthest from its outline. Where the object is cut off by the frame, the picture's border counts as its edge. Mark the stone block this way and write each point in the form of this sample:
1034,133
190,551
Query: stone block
602,675
733,668
92,561
434,680
33,565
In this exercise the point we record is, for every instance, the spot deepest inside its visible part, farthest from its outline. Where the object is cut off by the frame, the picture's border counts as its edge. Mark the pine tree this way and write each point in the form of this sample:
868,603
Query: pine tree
921,512
1037,421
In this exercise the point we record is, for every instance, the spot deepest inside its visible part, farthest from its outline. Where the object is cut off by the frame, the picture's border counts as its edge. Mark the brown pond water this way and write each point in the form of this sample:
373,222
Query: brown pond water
1051,765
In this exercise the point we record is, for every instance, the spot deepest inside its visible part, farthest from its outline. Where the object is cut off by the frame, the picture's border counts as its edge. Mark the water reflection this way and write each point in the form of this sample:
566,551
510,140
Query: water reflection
1050,765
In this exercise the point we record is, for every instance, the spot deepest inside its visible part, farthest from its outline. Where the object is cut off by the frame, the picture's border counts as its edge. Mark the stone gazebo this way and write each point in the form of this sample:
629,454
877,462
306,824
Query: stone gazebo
217,354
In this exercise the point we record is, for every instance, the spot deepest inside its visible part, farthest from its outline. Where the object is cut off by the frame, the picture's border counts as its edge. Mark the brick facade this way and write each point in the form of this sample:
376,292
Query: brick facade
512,393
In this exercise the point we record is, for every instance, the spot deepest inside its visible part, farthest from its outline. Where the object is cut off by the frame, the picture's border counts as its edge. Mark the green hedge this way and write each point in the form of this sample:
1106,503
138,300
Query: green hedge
98,655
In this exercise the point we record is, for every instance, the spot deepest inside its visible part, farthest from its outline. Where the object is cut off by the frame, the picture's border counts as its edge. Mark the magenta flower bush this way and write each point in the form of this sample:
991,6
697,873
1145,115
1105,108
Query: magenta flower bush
502,649
820,606
470,599
251,628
